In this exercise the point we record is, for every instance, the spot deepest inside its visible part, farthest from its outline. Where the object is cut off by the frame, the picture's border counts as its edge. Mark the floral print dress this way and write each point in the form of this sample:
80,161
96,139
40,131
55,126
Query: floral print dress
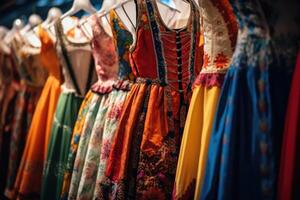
100,112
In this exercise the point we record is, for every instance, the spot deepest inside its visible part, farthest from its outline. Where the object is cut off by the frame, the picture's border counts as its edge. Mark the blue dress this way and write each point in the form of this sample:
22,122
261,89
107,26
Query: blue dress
244,149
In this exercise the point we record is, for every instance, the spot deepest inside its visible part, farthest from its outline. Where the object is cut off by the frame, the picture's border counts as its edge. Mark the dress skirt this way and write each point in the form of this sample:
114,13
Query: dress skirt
29,178
143,159
58,149
91,142
194,146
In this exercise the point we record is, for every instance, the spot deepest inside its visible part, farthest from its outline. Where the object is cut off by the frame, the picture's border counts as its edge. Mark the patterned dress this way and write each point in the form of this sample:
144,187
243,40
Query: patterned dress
143,159
78,71
28,182
33,76
245,145
220,32
100,112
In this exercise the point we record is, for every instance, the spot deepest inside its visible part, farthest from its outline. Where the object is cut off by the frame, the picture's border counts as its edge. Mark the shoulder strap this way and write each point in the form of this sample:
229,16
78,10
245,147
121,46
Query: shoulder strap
195,30
90,74
58,30
133,25
156,37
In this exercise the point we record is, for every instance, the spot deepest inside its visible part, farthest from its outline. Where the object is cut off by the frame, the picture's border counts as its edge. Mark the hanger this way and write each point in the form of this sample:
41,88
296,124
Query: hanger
103,13
18,24
79,5
33,21
53,14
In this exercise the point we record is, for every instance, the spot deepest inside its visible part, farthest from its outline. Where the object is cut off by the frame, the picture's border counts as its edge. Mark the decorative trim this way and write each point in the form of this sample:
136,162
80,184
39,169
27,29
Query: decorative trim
157,42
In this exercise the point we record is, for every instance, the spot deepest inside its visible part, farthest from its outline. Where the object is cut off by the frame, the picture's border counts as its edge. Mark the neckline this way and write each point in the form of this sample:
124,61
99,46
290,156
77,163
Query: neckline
65,38
182,29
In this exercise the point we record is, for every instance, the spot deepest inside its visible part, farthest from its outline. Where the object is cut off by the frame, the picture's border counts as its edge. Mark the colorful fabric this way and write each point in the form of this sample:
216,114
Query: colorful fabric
94,146
29,178
79,128
143,158
26,101
99,116
73,90
65,117
219,34
32,79
247,132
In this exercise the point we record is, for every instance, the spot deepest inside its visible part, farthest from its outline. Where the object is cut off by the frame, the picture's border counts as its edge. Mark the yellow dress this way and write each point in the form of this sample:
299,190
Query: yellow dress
219,31
29,178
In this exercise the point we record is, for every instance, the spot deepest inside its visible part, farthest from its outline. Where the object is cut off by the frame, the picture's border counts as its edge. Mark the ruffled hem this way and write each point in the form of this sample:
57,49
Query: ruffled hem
210,80
124,85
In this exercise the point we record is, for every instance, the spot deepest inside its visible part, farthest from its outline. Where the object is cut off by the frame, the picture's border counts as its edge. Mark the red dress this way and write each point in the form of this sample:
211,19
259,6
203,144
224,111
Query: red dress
289,177
143,159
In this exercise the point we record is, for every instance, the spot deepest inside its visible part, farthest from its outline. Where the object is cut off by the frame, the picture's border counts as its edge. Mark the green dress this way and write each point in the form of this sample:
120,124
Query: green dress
78,70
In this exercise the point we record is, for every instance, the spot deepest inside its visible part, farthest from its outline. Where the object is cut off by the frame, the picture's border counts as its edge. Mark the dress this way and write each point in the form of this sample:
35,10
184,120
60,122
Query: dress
289,177
245,145
28,183
33,76
78,71
9,88
99,113
220,32
142,162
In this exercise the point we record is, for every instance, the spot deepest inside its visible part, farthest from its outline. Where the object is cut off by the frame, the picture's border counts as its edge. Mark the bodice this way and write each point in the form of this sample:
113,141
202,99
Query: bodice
170,56
76,60
28,62
48,55
219,32
106,59
111,55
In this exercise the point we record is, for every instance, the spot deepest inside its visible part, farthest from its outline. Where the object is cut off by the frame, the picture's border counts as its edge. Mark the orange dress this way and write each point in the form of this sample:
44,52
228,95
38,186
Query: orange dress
29,178
143,157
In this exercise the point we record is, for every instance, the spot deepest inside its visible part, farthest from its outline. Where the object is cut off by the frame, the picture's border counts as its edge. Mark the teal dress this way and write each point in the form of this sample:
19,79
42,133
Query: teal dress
78,70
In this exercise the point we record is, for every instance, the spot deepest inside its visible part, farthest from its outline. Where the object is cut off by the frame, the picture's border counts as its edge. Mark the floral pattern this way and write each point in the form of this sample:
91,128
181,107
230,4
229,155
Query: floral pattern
99,115
220,31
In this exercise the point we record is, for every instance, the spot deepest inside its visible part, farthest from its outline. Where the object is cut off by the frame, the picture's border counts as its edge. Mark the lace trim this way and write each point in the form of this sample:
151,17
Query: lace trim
210,80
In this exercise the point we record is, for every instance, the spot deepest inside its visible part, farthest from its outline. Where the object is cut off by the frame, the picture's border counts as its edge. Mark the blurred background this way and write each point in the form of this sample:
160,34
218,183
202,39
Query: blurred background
12,9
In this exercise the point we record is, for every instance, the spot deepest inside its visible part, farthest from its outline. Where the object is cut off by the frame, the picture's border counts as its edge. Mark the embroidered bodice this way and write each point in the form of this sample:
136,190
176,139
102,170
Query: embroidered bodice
170,56
28,62
76,60
219,31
